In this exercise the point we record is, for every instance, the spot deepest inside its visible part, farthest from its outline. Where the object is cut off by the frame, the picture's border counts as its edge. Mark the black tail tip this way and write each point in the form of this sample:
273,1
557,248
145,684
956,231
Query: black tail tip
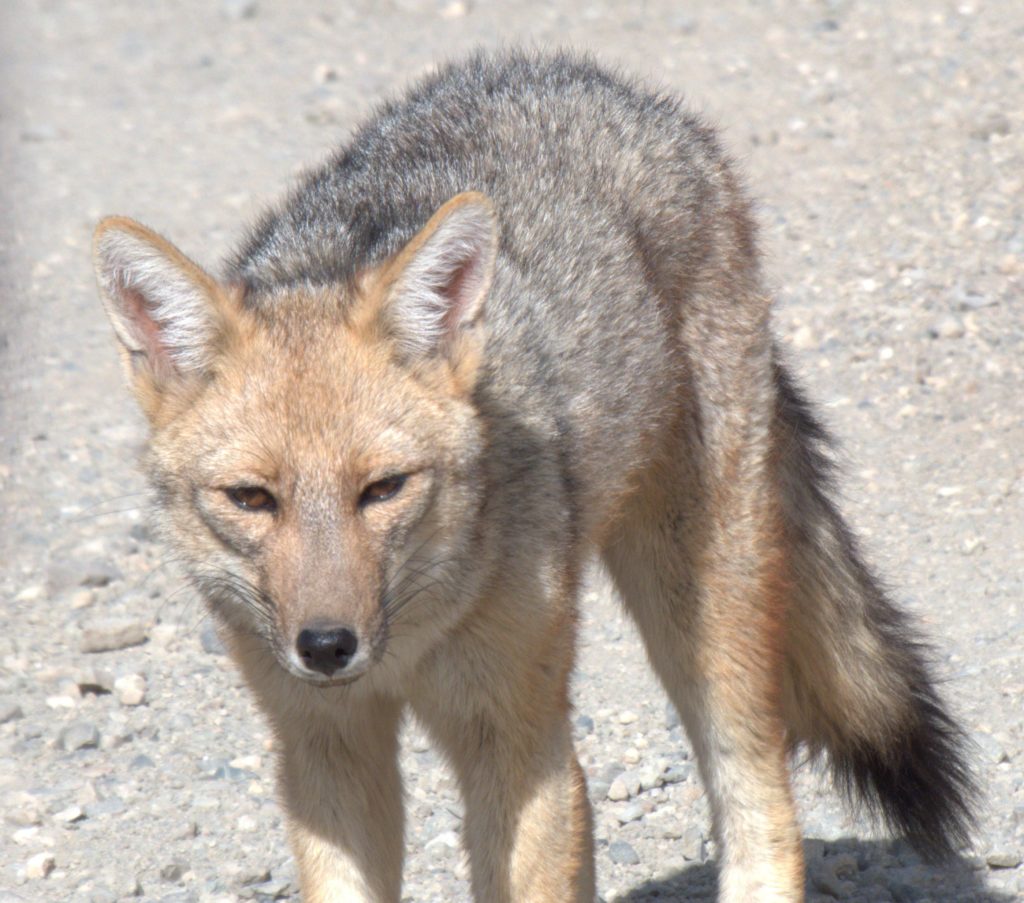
920,784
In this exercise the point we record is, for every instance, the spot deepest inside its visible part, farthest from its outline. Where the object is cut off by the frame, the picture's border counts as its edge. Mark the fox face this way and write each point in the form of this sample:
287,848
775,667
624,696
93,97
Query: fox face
316,456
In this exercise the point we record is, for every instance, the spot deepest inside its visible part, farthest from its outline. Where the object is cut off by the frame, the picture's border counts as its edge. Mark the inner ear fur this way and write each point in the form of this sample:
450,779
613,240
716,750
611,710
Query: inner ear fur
429,298
169,315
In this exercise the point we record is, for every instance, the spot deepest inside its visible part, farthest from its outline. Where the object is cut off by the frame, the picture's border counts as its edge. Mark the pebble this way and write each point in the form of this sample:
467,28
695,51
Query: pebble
584,726
10,711
112,805
1003,859
804,339
671,716
69,815
239,9
79,735
24,809
173,871
33,593
622,853
210,640
94,680
112,634
40,865
276,889
832,874
83,598
130,689
691,844
948,327
632,812
443,843
618,791
991,124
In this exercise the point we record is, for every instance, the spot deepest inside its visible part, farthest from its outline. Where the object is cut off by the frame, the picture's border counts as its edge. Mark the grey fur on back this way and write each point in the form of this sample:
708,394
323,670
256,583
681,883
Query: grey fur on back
614,205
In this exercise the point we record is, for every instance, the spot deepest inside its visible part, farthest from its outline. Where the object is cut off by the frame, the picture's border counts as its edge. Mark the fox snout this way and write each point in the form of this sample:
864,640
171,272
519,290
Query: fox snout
326,648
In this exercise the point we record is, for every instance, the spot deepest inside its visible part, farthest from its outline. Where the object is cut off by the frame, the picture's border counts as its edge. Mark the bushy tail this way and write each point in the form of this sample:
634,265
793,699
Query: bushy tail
857,685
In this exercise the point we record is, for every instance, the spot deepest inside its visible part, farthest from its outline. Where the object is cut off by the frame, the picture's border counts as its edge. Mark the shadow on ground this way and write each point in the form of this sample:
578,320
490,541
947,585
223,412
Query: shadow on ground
885,871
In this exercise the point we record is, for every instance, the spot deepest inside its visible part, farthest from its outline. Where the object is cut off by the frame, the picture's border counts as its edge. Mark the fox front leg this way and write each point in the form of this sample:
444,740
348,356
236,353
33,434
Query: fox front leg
342,794
496,700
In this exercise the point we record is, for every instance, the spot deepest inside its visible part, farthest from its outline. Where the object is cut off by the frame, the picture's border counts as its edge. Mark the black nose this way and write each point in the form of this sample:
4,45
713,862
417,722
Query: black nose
326,649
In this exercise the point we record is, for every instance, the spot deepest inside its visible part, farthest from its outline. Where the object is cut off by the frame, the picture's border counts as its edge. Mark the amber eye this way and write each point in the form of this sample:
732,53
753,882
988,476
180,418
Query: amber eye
252,498
382,490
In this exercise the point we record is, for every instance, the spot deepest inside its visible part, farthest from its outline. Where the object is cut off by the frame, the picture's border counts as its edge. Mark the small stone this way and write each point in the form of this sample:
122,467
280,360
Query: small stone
584,725
113,805
632,781
248,763
972,544
443,843
173,871
692,844
130,689
649,778
618,792
1003,859
904,893
994,123
79,735
325,73
210,639
163,635
23,809
677,774
631,756
248,875
24,836
632,812
829,877
111,634
627,717
276,889
82,598
949,327
456,9
96,681
671,716
621,853
804,339
39,866
32,593
239,9
61,702
190,829
10,711
69,815
98,574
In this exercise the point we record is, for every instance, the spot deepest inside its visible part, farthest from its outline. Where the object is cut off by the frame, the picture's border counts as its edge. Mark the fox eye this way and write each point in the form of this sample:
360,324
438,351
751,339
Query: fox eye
382,490
252,498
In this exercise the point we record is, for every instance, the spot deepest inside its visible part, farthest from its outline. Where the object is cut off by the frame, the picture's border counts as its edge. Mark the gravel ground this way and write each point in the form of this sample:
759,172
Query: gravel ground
886,143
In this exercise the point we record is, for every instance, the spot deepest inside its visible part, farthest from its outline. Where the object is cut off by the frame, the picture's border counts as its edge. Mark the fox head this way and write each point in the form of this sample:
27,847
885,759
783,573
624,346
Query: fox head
315,454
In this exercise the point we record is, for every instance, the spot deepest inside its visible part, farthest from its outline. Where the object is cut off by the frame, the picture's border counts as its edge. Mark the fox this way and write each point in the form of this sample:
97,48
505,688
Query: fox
516,324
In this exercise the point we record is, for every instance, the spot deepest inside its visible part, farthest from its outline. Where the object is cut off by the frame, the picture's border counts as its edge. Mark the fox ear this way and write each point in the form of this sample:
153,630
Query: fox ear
439,281
163,307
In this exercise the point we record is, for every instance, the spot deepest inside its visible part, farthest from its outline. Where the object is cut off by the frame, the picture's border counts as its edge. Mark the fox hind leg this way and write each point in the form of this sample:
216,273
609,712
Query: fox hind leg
696,563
